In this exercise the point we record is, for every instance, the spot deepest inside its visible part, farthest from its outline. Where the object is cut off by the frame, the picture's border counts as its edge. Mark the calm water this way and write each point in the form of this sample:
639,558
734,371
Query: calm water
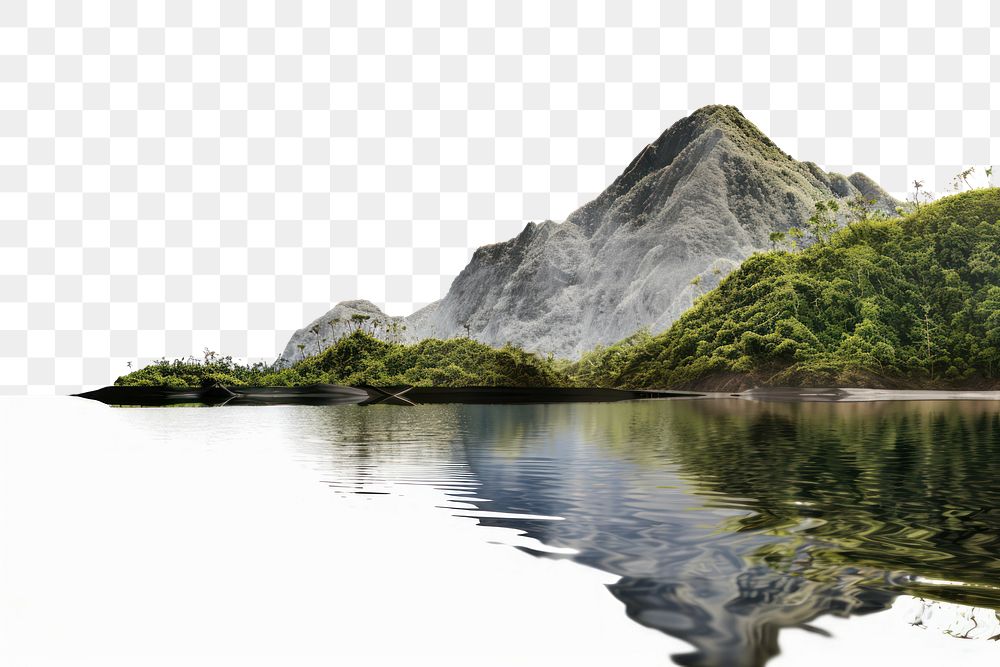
722,523
727,521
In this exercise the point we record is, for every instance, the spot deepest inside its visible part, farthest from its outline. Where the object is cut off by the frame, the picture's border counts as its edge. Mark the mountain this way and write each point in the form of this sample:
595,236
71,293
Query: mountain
910,302
687,210
337,323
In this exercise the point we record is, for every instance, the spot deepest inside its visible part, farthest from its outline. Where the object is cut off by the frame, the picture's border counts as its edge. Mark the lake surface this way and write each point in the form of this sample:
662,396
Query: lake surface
719,527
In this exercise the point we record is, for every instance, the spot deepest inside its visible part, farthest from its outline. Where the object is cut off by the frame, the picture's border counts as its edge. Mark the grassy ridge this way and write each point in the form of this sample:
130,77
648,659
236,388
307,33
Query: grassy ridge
911,301
360,358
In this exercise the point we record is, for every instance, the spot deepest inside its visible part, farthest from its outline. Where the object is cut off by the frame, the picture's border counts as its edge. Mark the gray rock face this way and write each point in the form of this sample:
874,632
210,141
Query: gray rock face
687,210
324,331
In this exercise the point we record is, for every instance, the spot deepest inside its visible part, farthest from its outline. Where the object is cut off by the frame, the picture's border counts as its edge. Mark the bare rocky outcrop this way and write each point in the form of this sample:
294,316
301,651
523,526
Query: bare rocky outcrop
335,323
687,210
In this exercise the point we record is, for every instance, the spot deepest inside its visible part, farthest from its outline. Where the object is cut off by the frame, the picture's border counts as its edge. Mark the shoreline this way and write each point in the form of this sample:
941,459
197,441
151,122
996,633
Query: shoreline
327,394
860,395
330,394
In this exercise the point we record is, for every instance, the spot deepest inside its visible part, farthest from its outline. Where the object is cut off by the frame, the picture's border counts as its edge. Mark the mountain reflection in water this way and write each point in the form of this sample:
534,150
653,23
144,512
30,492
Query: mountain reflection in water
726,520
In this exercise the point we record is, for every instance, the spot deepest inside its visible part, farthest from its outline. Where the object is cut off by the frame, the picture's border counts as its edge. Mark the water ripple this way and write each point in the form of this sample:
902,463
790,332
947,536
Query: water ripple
726,521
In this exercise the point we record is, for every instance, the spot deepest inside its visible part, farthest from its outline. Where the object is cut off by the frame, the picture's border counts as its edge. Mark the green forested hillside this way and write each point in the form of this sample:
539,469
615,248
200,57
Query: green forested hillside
910,301
360,358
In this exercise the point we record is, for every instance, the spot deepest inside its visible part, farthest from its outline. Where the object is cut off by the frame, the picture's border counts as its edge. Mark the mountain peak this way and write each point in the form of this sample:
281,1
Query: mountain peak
731,122
681,147
722,113
724,118
695,202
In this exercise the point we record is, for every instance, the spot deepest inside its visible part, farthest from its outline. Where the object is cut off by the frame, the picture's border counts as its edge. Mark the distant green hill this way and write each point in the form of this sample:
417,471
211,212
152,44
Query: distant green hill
360,358
905,302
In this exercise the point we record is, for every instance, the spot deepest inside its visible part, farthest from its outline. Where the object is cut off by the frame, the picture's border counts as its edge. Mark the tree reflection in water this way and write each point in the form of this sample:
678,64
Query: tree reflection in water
726,520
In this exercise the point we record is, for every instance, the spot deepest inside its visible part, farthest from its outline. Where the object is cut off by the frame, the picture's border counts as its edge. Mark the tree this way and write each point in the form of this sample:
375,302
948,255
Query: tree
919,196
823,222
860,208
358,321
928,327
776,238
962,179
315,330
795,235
333,329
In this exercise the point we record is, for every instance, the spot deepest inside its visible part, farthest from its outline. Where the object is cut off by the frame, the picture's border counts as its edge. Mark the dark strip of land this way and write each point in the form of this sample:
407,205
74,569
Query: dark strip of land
329,394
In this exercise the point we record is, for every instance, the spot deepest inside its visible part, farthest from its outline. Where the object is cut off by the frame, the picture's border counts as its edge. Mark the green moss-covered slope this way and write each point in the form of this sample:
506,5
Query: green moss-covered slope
911,301
359,358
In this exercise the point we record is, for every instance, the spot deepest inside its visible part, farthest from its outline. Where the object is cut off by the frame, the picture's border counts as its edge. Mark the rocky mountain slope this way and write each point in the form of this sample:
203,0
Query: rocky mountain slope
688,209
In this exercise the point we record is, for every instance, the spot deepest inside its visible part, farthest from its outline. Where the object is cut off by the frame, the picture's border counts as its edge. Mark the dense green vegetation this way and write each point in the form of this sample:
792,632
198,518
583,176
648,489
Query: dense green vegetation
912,301
360,358
909,301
